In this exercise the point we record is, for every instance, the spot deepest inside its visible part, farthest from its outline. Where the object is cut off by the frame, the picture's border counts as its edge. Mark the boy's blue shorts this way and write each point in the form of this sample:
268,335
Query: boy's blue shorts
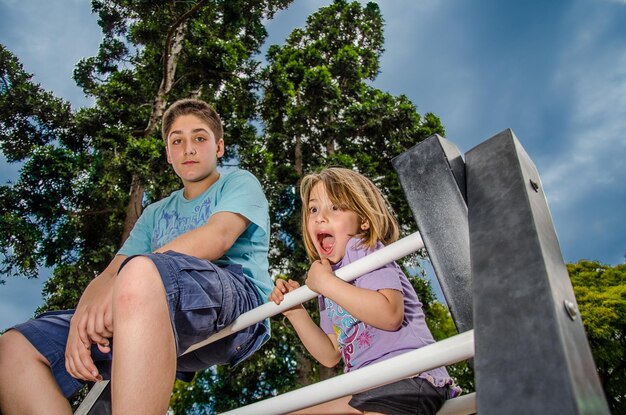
202,298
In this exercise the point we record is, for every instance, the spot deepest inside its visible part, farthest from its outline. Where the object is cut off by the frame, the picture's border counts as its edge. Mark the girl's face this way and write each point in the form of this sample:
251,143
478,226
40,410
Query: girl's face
329,227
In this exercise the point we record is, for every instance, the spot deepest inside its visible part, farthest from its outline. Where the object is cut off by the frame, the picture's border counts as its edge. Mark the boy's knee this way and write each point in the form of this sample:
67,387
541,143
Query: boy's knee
137,284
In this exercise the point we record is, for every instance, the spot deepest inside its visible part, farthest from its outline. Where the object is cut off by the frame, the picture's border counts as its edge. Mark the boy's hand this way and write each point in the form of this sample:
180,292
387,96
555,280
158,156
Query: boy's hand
319,275
283,287
94,314
92,323
96,326
78,361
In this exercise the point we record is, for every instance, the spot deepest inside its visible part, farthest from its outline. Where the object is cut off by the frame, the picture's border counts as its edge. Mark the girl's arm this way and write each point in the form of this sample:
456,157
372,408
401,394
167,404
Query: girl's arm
383,309
323,347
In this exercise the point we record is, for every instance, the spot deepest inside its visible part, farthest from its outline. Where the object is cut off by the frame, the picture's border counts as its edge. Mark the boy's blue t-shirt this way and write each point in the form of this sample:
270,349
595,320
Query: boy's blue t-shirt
237,191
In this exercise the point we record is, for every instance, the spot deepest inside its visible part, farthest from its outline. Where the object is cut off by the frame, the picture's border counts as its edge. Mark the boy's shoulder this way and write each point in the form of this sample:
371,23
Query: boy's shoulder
237,174
166,200
240,181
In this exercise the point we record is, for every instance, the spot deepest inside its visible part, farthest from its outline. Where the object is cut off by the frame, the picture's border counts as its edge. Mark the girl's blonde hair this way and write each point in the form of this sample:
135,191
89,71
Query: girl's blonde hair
350,190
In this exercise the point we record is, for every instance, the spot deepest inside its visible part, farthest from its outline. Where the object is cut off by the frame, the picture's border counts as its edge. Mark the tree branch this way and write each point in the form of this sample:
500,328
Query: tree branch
173,47
168,40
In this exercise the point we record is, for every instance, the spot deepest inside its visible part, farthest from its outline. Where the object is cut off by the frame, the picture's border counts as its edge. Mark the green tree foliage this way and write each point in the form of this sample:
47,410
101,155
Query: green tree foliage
35,212
442,326
601,295
318,110
70,208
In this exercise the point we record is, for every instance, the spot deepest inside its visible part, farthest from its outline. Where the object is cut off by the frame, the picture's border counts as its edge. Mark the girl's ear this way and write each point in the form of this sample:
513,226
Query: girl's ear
365,224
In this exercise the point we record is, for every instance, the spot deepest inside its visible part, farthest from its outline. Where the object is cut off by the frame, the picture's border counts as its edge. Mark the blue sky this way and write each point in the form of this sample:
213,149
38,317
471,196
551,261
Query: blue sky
554,72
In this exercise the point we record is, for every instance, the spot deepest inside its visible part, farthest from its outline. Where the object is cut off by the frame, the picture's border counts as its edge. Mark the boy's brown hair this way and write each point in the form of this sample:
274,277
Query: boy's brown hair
349,190
195,107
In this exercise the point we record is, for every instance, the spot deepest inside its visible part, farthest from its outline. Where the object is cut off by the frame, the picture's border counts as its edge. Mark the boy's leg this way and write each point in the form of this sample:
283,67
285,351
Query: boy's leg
24,370
144,360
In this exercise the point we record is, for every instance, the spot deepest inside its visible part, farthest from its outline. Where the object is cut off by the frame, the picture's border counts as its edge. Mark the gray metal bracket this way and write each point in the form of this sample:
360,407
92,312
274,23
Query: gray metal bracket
532,355
432,175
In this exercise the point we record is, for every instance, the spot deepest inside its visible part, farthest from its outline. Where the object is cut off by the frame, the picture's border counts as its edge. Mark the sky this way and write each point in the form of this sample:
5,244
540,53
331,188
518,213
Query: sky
552,71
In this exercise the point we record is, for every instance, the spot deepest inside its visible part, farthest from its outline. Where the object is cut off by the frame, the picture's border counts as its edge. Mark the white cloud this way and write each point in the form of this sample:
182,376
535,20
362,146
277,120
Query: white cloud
596,151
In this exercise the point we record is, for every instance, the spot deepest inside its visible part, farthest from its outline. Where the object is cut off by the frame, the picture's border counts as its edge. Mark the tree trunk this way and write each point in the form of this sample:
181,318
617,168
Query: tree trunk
171,60
330,146
173,47
298,157
327,372
133,209
303,370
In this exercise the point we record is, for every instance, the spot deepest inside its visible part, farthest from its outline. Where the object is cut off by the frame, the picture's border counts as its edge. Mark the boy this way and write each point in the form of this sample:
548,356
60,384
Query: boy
193,262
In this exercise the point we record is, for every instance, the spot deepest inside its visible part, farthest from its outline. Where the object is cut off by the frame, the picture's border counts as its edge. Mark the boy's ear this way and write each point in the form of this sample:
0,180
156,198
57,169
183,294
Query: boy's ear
220,147
167,153
365,224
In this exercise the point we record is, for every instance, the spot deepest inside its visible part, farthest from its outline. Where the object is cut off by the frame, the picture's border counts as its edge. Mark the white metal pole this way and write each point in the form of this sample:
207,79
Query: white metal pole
462,405
392,252
451,350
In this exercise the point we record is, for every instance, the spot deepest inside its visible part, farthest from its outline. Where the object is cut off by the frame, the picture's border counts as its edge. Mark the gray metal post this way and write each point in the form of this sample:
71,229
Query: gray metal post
432,175
532,355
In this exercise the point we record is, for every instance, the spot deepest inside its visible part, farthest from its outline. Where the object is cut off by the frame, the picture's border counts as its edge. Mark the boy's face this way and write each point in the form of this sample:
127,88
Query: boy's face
192,150
329,227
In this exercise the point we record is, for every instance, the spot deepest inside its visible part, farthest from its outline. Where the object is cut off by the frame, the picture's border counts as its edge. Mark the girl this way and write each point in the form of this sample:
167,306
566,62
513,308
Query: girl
373,318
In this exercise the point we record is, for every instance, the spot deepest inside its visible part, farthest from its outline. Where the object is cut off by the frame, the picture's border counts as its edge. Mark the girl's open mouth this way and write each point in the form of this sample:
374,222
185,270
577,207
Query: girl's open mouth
326,242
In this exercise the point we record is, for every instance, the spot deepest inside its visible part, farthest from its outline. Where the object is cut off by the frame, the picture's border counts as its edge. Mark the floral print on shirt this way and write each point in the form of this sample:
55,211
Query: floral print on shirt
352,335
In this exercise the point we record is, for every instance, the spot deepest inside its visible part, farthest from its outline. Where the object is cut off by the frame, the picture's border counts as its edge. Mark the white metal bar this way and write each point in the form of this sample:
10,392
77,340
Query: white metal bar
375,260
91,398
451,350
462,405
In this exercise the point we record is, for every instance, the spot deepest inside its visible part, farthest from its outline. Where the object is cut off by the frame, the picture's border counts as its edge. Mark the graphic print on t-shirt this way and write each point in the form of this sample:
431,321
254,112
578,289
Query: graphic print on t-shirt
173,223
351,335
